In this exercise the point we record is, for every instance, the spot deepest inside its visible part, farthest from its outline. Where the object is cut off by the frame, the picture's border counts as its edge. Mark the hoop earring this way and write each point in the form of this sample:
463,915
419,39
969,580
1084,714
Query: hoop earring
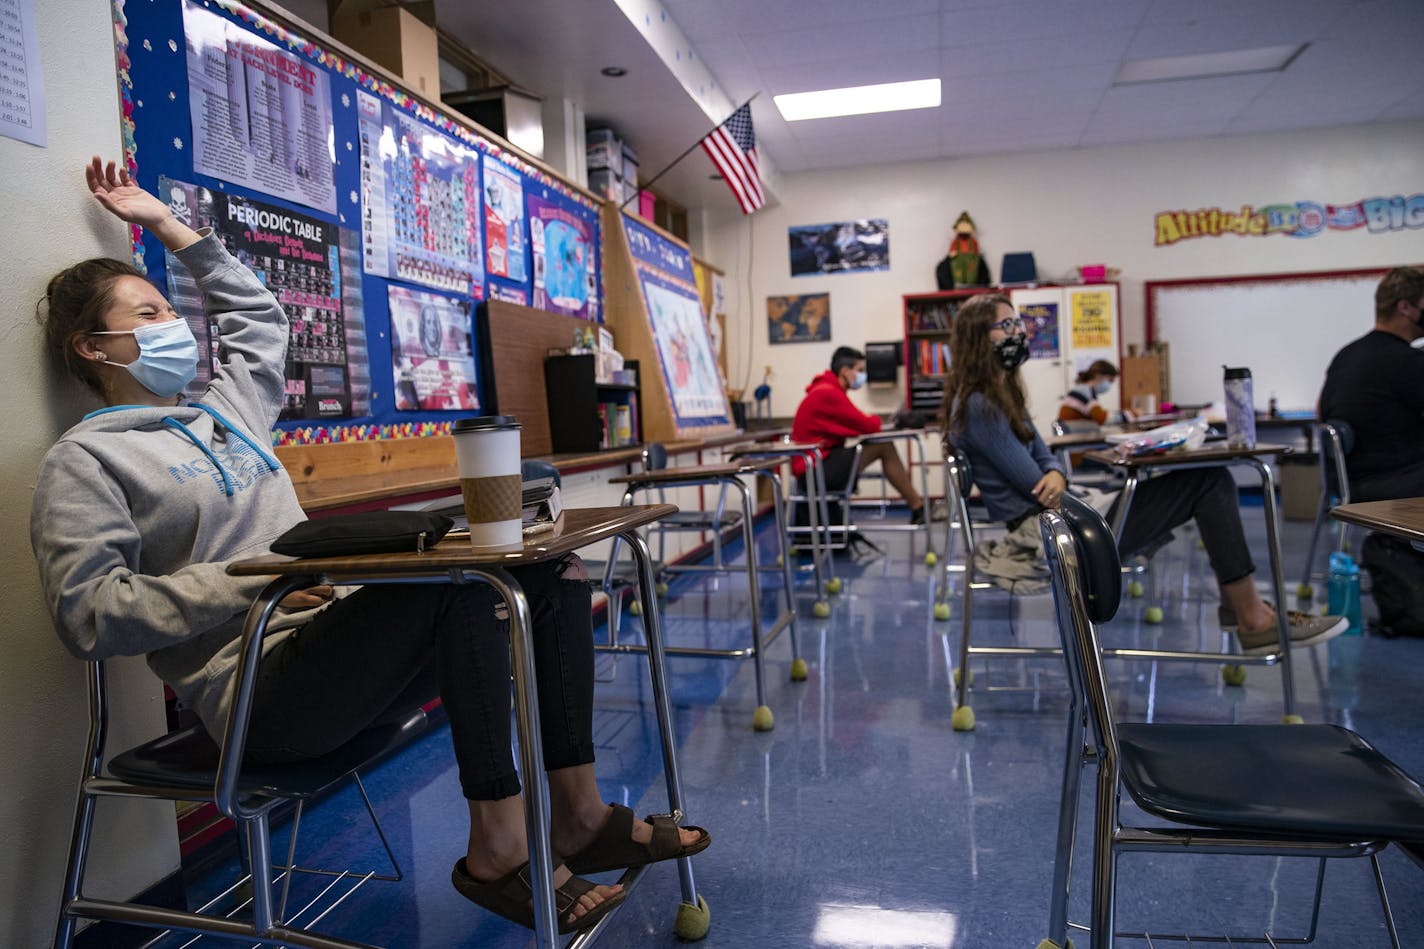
100,355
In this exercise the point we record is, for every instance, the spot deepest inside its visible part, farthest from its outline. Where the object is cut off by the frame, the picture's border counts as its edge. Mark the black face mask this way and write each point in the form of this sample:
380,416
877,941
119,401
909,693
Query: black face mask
1012,351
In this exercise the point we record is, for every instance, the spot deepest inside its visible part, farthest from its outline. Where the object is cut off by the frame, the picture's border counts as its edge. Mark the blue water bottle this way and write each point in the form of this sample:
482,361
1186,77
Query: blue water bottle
1344,595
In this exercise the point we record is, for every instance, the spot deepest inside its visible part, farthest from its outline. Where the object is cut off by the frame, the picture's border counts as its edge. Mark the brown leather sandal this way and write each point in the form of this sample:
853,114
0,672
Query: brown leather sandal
511,896
615,849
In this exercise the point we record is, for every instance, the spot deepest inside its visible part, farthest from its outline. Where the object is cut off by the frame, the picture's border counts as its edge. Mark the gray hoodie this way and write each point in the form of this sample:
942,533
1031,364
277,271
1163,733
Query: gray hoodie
139,509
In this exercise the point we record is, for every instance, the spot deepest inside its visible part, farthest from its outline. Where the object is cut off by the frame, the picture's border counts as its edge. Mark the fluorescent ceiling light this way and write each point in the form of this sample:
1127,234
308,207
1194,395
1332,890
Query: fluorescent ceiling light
1207,65
859,100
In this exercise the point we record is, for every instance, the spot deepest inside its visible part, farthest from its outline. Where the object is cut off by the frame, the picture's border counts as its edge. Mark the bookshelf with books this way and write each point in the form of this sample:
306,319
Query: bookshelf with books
586,415
927,320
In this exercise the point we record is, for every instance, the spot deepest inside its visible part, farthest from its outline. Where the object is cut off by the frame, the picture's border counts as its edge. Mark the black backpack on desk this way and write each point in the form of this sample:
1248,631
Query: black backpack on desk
1396,583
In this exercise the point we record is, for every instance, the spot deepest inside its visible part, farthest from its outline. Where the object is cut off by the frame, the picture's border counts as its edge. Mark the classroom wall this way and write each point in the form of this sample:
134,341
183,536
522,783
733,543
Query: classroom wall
1085,206
50,220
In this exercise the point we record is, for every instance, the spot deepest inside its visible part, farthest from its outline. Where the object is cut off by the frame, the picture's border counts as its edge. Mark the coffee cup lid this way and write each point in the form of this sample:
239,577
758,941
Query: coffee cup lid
485,423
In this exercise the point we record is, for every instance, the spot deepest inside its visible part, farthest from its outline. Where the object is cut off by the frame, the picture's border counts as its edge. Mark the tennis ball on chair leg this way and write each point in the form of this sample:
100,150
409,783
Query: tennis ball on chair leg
834,585
1305,591
820,609
661,588
798,670
762,719
1134,589
693,921
1233,674
930,558
635,608
963,719
941,611
1153,615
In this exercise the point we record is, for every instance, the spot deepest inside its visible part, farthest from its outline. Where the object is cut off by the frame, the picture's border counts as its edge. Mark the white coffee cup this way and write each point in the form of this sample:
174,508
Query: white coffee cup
487,449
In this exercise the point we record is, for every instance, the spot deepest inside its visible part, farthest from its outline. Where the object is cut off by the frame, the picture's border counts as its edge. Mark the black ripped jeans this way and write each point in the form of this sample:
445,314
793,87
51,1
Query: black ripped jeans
384,650
1206,495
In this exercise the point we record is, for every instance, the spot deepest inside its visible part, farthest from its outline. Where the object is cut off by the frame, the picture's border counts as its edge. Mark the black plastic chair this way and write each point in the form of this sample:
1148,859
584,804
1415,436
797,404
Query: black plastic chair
1315,791
187,765
1337,440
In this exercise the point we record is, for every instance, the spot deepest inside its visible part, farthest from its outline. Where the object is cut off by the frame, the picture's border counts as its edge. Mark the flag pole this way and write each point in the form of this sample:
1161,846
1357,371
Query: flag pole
690,149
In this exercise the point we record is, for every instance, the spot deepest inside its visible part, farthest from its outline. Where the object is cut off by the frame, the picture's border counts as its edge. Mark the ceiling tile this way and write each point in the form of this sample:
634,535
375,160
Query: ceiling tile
827,43
1038,20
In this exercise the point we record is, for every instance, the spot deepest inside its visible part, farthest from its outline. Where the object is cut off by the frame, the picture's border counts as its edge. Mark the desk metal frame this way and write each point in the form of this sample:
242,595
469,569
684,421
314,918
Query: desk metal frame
471,566
1247,457
821,561
728,475
916,438
1133,469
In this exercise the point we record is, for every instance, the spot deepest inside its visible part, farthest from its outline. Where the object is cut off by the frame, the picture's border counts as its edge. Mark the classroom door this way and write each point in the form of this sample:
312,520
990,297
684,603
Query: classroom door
1045,375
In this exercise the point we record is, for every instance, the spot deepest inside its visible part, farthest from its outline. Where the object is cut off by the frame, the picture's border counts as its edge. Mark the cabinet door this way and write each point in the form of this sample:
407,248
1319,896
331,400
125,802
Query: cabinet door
1092,323
1047,374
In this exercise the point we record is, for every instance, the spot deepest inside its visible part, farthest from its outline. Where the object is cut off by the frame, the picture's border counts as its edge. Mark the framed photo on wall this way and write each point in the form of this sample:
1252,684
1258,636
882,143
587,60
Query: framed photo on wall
805,318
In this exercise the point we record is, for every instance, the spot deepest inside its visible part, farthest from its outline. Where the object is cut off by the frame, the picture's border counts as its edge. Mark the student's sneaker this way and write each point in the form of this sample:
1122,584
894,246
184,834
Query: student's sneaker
1306,629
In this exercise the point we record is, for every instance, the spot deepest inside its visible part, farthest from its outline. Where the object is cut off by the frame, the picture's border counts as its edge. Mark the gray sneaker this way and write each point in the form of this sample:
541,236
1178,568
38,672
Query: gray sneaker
1306,629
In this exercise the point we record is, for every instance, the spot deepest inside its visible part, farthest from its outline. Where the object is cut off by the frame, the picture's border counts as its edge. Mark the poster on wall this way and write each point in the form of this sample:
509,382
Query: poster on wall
1091,316
431,359
562,244
298,258
261,115
420,192
1041,324
843,247
681,335
505,252
799,319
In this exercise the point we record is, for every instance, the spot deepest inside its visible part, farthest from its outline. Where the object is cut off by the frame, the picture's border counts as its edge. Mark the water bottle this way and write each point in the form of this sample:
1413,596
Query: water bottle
1240,409
1344,587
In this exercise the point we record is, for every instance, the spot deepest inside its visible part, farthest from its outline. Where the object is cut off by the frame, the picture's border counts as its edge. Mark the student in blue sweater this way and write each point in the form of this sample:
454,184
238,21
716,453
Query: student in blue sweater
140,506
987,418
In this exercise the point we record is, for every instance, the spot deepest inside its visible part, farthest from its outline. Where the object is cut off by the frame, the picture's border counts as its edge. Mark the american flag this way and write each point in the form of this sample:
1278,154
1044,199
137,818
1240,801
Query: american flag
732,148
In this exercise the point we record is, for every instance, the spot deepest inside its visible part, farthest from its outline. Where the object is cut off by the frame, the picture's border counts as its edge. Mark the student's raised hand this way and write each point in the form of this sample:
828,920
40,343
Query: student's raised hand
1049,489
122,197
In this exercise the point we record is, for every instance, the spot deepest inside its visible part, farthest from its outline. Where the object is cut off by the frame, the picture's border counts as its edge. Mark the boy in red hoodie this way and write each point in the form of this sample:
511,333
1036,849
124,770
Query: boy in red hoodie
826,415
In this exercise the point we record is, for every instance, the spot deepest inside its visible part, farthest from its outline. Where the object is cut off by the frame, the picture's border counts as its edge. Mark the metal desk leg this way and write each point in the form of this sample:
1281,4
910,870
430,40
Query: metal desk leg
813,515
1278,584
798,665
531,756
1129,488
657,670
832,584
762,719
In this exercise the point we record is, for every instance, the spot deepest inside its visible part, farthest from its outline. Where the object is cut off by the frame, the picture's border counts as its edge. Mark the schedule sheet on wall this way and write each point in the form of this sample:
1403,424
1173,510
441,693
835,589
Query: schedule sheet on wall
22,100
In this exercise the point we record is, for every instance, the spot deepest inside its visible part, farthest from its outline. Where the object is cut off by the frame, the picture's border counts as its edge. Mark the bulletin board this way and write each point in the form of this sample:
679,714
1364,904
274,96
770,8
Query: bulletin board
1284,327
658,320
379,221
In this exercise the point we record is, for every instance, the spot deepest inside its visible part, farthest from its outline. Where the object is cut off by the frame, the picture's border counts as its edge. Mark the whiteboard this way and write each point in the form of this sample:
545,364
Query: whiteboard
1285,328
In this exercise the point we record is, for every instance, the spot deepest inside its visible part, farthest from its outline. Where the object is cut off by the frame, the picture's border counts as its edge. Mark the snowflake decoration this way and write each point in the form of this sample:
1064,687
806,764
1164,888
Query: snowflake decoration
172,97
148,46
139,103
178,143
348,146
352,197
173,45
346,100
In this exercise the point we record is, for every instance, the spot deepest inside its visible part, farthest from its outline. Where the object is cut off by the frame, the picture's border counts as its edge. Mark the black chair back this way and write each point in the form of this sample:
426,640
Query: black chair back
1099,567
654,456
532,469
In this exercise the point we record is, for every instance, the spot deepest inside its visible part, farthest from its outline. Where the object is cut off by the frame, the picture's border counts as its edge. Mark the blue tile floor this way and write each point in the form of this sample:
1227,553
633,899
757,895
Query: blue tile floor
863,820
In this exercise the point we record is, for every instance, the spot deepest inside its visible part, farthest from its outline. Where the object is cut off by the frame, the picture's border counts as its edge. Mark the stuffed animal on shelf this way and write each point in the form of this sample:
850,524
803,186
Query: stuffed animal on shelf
964,266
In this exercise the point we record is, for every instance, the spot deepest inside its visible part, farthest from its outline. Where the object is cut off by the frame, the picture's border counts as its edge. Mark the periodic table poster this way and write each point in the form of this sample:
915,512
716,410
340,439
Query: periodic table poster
378,220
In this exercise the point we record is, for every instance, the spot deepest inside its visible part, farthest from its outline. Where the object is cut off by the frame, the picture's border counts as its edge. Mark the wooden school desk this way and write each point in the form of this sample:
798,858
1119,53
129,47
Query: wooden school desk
454,561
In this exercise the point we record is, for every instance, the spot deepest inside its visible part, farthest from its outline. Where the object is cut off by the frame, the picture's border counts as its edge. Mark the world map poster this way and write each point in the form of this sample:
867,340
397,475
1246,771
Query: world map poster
564,275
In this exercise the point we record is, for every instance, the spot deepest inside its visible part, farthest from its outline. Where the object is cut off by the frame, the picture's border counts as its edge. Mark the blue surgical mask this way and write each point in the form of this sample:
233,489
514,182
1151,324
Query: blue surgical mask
1101,388
167,356
859,380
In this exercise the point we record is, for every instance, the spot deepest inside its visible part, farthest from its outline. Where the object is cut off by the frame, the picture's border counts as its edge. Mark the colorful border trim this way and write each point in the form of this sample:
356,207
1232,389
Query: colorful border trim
336,434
